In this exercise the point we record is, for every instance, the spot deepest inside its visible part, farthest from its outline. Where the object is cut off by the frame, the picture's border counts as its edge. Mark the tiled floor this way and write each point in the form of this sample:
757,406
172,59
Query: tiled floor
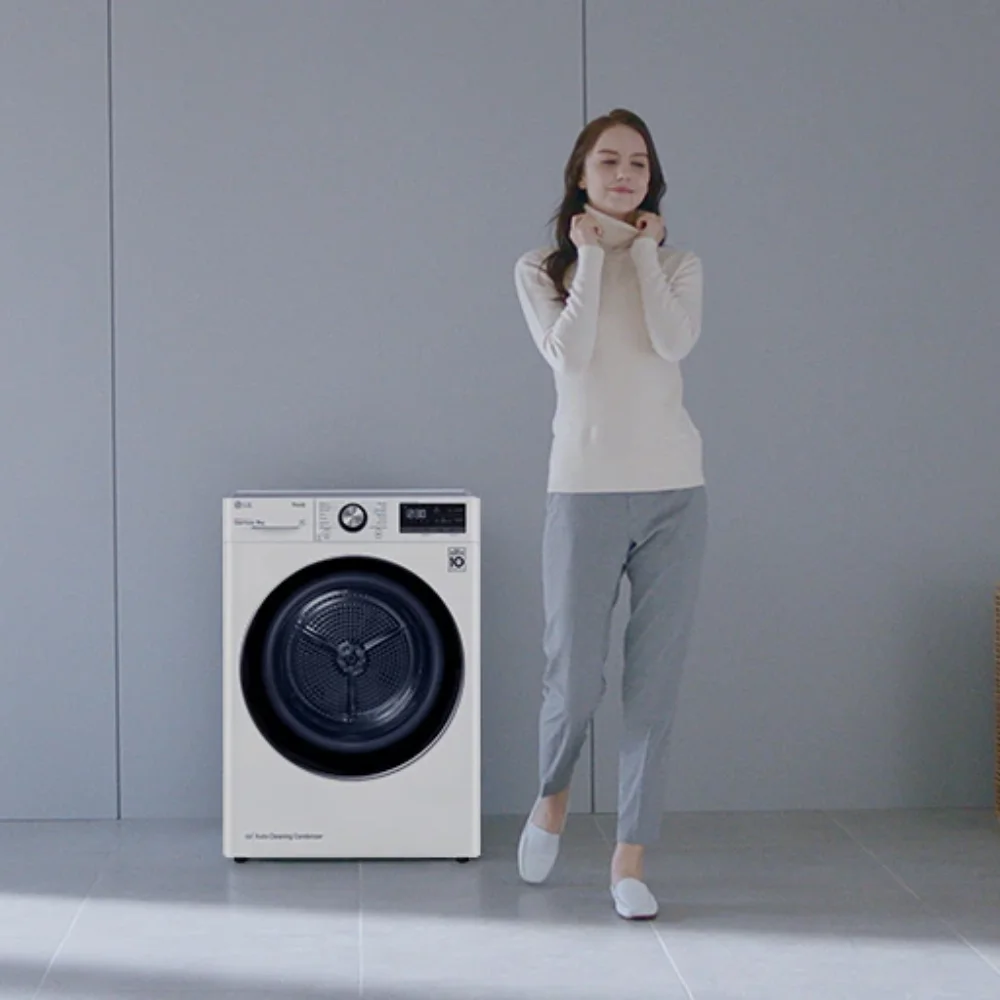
792,906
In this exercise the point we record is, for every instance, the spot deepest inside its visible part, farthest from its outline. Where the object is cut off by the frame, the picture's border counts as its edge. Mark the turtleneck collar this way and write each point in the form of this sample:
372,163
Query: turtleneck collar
616,235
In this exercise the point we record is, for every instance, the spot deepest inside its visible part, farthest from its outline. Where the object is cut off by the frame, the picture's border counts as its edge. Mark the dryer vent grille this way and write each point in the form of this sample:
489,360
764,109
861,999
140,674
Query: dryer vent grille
351,656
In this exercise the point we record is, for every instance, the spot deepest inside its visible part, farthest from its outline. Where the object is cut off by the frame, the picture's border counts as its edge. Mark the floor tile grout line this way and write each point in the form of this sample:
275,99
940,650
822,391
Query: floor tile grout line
673,963
361,929
69,930
851,836
652,927
989,961
923,902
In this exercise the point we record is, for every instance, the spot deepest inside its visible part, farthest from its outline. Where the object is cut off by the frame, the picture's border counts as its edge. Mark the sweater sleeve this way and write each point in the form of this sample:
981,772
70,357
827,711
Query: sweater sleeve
564,334
672,306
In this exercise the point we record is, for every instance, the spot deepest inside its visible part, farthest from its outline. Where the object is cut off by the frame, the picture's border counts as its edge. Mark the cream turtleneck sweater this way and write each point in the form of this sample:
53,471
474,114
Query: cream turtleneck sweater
633,314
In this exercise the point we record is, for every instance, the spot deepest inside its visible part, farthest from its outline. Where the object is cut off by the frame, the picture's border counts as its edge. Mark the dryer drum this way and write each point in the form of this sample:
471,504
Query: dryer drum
352,667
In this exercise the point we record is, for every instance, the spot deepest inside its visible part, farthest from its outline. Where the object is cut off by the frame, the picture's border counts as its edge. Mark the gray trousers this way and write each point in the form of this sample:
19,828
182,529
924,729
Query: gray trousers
591,541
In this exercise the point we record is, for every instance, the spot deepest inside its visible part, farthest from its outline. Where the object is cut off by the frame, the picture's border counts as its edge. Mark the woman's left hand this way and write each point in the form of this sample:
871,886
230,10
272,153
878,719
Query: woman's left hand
652,226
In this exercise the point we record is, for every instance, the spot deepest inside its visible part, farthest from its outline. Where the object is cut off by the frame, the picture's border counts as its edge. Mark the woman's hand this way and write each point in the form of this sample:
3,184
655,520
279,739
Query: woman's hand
651,226
584,230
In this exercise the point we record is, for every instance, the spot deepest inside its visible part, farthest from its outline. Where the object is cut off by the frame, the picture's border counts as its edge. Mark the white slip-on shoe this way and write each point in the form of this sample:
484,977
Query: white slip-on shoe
537,851
633,900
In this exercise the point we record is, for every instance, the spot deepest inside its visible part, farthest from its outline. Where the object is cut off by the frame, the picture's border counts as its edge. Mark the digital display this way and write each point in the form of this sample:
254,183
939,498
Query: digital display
432,518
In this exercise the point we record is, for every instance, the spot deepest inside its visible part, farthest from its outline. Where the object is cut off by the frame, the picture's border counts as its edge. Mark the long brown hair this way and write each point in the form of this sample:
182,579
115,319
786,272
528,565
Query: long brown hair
557,263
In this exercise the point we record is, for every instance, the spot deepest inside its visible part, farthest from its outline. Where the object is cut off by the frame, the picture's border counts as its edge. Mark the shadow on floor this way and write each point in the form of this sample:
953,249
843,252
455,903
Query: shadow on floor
85,982
809,879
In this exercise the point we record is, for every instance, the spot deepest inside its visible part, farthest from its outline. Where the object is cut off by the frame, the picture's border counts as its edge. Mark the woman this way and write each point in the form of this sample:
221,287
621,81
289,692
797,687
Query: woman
614,314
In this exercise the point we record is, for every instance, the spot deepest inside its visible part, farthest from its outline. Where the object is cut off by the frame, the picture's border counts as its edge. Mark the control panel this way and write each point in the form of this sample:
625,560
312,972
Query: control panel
268,519
343,518
432,518
339,518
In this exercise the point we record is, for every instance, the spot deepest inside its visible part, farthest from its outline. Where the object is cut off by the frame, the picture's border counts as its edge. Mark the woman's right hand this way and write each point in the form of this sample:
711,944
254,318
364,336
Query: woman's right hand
584,230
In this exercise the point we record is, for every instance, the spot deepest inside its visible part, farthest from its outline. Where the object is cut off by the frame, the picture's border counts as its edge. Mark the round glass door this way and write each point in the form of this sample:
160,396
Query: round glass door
352,668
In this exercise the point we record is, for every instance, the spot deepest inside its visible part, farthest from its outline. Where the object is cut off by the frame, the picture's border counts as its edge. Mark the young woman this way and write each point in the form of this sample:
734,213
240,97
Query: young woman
614,313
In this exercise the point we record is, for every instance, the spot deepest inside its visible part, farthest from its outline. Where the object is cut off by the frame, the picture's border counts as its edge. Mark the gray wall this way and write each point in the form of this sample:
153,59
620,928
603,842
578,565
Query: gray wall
836,165
317,207
57,665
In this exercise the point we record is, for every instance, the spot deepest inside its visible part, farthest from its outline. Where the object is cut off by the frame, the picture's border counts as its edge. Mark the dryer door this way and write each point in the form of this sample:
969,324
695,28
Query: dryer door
352,668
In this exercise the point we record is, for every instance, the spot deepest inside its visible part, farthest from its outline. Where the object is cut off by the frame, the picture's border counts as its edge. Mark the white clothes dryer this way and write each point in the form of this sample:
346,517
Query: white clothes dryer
351,675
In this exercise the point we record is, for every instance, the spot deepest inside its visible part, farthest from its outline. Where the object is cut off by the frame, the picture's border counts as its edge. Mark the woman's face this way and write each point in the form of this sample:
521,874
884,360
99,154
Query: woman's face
616,172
